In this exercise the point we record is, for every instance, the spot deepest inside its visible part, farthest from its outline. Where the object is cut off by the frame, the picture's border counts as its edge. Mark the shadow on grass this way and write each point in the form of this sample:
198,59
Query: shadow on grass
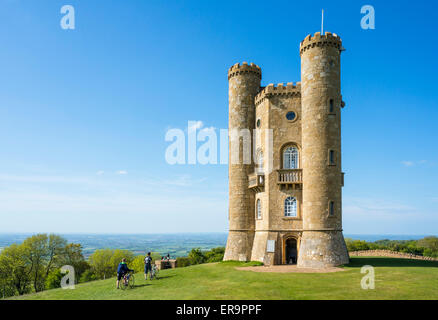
359,262
165,277
141,285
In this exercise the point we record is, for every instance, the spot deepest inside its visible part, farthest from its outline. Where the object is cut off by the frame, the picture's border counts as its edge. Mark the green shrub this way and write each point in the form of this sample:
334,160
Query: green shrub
215,254
88,275
196,256
182,262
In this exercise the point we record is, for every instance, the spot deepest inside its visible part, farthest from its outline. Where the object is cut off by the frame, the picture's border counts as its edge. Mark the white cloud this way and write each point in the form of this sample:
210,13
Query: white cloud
99,173
122,172
381,207
184,181
408,163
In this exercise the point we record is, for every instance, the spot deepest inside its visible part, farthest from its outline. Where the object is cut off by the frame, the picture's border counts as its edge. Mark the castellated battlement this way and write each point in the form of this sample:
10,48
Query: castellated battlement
244,68
290,89
318,40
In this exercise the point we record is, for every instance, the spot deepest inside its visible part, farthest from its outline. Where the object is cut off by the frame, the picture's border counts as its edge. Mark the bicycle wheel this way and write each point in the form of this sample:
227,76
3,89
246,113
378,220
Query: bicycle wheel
131,281
122,283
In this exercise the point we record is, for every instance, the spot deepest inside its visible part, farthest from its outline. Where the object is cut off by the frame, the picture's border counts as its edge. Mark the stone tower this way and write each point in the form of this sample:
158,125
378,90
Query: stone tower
322,242
290,213
244,84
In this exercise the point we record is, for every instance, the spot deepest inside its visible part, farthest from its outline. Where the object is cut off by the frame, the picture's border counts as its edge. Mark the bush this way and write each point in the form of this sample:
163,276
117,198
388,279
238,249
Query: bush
88,275
356,245
196,256
182,262
215,255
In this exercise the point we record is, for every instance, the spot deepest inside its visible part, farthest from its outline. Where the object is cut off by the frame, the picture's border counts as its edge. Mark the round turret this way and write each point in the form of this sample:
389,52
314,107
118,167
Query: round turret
322,242
244,84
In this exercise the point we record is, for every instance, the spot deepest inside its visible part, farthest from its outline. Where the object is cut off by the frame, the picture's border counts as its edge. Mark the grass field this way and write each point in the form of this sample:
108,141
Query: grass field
395,279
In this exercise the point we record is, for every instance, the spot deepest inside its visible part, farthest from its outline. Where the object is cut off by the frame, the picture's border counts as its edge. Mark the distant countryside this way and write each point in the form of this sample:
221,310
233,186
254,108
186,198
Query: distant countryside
31,263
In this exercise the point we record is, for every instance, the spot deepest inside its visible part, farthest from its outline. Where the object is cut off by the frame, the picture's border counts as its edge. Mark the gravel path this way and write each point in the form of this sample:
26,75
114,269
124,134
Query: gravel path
289,269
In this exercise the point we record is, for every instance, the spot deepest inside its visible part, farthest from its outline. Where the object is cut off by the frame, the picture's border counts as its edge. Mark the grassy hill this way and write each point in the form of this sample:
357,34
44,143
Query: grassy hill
395,279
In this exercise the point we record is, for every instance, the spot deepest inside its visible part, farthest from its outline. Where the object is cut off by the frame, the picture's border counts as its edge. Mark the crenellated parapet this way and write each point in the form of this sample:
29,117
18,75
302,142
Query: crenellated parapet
290,89
244,68
317,40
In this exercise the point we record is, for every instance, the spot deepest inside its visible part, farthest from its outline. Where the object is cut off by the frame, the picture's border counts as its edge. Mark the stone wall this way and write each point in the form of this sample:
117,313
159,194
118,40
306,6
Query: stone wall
389,254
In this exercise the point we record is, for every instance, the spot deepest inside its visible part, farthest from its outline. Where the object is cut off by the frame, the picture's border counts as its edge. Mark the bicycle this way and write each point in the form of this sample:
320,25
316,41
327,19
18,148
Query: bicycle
127,281
154,272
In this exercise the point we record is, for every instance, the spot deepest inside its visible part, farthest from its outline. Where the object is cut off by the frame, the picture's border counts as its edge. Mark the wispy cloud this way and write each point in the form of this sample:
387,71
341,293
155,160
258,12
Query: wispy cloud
410,163
122,172
184,181
99,173
376,206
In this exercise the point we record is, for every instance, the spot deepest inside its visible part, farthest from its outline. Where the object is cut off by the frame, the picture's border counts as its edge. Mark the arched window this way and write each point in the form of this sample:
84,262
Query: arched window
290,158
290,207
259,209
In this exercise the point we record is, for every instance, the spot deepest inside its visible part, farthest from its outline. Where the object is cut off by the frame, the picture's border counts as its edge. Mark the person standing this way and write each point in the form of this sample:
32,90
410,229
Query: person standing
148,266
122,269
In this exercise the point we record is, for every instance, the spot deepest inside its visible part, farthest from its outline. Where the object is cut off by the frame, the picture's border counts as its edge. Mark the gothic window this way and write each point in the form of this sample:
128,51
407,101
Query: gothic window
259,209
290,158
290,207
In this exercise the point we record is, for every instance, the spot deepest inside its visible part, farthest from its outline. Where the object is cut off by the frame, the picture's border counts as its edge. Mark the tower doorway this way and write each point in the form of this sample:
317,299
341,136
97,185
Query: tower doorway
291,251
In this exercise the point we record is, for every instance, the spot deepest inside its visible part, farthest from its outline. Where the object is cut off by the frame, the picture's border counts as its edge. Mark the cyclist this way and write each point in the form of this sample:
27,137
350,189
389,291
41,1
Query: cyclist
122,269
148,266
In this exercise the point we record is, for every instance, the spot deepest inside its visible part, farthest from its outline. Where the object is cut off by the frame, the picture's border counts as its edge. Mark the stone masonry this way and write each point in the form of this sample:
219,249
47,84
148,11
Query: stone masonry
305,117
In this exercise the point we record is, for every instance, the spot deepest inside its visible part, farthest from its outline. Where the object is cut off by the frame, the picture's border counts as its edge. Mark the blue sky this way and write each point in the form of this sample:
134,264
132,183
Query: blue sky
84,112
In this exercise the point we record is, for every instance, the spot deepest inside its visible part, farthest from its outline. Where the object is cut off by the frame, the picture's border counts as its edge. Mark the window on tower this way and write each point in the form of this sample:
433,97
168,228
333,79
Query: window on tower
331,106
291,116
290,158
332,160
332,208
290,207
259,209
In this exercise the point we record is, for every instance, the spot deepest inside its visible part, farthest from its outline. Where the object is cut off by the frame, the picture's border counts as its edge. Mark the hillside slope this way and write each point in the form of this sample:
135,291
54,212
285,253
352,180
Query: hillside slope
395,279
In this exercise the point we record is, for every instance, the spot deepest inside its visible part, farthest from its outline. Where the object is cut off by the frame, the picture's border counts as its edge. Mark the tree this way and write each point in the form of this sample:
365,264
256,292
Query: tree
87,276
117,257
430,245
100,263
215,254
36,253
196,256
15,273
53,280
72,256
56,246
138,264
43,252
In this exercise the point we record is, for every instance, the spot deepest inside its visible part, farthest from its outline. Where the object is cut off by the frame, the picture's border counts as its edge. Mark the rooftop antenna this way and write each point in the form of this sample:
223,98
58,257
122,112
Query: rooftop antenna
322,23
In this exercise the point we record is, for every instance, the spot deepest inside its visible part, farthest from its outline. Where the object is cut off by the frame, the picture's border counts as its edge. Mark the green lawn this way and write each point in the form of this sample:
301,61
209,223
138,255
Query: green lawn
395,279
